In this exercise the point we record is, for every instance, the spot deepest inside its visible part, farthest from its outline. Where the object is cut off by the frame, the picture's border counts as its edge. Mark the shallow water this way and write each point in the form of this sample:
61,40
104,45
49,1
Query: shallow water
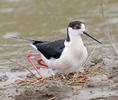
48,20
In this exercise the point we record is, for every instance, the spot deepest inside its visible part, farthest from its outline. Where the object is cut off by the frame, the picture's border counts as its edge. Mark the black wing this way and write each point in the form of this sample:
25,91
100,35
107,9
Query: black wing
50,49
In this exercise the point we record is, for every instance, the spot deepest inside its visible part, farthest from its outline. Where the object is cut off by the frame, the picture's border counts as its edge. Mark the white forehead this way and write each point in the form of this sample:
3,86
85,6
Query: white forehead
83,27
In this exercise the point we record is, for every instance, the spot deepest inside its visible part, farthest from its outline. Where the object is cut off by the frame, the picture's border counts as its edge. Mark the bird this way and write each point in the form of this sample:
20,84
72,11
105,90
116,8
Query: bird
64,55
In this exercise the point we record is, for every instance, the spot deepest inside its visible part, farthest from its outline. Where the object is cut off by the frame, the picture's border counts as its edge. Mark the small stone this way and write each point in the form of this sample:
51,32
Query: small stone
3,78
28,92
115,79
30,75
97,60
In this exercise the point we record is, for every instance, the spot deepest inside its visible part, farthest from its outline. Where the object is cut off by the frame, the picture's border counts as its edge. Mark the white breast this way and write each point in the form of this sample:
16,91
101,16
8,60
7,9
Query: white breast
71,59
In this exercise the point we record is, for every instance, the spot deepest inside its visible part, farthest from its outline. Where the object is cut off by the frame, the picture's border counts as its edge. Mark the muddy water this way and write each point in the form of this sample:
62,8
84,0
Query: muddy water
48,19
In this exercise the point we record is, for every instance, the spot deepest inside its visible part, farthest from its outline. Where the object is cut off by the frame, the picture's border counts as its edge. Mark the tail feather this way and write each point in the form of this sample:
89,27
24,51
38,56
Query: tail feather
27,39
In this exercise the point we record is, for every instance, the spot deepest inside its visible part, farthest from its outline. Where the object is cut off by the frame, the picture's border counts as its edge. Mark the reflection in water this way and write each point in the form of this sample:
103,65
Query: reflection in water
48,20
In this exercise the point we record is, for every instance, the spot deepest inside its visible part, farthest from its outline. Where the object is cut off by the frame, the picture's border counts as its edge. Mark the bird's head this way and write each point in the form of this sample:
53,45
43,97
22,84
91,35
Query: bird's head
76,28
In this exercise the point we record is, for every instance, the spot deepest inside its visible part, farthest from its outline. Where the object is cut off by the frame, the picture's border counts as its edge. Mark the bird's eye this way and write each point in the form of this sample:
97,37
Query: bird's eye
77,27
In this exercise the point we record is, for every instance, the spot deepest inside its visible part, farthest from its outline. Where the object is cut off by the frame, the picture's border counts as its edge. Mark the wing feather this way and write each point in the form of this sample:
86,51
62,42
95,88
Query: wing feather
50,49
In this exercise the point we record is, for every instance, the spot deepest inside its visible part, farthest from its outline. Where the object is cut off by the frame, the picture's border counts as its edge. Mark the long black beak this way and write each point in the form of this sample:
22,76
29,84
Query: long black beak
91,37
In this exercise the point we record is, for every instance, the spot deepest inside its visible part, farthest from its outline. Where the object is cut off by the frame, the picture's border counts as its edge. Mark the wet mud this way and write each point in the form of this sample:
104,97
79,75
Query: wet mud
100,83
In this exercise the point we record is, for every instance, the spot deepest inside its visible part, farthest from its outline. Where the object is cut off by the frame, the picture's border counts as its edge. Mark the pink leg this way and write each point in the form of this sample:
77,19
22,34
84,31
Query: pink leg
39,62
81,75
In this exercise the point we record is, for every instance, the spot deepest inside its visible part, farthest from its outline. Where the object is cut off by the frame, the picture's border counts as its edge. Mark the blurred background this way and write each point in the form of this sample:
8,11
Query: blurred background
48,20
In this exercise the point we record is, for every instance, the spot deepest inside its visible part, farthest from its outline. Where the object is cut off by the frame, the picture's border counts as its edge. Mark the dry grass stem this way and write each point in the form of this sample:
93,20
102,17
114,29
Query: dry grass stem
107,30
23,67
52,98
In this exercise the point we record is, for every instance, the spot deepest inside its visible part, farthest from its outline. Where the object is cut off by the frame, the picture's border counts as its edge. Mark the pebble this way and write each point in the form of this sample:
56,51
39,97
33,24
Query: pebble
3,78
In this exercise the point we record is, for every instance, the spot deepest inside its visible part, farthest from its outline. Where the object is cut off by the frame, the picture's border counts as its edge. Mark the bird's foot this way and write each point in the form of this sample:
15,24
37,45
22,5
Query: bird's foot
81,75
39,61
78,75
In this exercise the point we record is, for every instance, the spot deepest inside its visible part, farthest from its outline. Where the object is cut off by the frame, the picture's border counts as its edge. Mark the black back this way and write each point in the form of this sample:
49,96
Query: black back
50,49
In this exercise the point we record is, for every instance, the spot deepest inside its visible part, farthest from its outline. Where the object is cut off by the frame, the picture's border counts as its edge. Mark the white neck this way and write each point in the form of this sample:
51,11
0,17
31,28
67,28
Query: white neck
75,38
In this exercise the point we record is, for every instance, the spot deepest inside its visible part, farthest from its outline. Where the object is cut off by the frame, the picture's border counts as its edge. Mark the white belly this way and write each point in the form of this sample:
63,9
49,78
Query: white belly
70,60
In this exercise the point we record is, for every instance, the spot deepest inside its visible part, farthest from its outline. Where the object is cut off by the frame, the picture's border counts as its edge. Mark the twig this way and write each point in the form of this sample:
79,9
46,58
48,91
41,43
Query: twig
107,29
23,67
51,98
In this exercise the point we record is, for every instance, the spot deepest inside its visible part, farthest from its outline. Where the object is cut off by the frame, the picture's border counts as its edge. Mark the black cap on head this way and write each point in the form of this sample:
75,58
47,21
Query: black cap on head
74,24
77,25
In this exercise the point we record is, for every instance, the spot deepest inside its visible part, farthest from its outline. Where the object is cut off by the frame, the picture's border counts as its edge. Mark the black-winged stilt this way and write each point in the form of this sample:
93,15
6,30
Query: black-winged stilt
64,55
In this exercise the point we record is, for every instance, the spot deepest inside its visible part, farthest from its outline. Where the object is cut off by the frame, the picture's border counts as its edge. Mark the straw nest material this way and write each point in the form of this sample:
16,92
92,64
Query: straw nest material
68,79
